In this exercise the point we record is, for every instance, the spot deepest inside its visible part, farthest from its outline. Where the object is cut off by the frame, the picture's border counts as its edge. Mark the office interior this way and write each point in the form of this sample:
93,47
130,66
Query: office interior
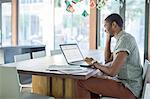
28,26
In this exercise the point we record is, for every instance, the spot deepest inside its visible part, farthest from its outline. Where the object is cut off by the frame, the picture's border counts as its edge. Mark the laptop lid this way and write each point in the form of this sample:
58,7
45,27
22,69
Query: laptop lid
71,53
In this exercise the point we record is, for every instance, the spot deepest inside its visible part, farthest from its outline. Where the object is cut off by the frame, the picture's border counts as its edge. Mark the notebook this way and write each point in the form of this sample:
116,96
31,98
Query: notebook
73,55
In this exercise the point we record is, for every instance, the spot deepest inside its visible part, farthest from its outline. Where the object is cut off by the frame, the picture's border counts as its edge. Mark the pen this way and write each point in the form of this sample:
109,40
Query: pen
53,70
56,71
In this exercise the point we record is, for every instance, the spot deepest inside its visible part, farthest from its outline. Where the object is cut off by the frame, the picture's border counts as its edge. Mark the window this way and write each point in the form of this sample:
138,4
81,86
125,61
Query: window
112,6
71,27
31,1
34,22
6,24
135,22
35,25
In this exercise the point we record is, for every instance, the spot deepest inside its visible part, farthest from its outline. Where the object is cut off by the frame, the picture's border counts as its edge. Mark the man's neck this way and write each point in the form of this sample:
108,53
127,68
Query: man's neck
117,32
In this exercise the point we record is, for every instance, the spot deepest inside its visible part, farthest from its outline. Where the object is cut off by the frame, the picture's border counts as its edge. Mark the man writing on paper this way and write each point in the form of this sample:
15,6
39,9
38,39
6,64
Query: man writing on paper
125,65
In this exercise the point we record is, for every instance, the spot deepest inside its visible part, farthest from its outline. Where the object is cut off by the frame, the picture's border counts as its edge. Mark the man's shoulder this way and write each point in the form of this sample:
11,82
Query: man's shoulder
127,36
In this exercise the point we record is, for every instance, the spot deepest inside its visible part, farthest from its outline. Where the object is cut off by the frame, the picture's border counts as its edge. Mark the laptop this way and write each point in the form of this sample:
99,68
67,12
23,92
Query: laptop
73,55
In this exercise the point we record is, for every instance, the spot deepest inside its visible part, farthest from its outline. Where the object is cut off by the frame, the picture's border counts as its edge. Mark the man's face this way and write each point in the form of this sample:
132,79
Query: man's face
108,28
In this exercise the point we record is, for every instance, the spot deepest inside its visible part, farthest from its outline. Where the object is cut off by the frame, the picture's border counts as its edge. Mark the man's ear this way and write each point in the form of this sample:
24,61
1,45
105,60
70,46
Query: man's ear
114,24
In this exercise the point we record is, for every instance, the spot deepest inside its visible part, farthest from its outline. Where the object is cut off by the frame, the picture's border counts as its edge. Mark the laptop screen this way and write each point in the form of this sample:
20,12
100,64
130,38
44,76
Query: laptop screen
71,52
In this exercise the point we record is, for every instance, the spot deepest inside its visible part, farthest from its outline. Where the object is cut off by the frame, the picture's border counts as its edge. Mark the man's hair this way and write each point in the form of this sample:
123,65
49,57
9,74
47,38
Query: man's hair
115,18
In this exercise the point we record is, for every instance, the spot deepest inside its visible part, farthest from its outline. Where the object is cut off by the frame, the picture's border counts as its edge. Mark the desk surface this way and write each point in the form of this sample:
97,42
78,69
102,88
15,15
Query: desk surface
39,66
53,84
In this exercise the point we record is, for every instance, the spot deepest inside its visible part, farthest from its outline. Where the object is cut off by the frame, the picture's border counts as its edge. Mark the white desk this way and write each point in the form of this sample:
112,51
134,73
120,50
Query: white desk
51,83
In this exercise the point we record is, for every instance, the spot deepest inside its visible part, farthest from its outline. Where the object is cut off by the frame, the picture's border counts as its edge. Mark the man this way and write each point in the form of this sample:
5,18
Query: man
125,66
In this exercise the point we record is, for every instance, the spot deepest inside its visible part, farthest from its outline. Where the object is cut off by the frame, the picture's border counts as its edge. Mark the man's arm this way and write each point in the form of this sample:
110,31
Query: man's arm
117,63
108,54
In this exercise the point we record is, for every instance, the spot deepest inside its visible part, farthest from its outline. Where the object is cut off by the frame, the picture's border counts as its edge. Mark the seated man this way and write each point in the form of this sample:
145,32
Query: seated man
125,65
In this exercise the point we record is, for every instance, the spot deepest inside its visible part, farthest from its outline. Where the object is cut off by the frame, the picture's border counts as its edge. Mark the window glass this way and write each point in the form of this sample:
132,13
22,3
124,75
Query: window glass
6,24
135,22
71,27
35,22
112,6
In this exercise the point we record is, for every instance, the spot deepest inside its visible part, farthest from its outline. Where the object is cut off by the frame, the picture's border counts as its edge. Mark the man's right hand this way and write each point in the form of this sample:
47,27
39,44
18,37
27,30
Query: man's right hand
88,60
108,36
108,54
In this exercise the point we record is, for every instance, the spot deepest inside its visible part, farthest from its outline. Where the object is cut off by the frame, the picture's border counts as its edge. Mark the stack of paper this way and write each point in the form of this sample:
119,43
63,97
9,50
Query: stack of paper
74,70
68,69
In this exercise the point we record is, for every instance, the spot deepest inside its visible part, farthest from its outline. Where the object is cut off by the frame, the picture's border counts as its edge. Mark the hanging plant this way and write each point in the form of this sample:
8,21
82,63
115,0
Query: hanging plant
70,6
92,4
101,4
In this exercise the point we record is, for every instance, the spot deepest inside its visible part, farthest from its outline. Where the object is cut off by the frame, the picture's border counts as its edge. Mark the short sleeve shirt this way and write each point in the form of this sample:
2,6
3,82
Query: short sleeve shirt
131,72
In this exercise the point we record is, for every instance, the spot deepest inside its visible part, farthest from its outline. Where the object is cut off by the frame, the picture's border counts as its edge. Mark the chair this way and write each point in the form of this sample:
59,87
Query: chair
145,79
22,57
10,87
38,54
25,79
0,84
55,52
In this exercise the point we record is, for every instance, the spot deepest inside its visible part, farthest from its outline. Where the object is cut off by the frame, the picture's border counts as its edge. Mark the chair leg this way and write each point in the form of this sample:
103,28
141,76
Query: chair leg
20,88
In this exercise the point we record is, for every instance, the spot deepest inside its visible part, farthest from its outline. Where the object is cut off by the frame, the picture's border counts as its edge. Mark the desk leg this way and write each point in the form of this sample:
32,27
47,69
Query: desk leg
57,87
69,88
63,88
41,85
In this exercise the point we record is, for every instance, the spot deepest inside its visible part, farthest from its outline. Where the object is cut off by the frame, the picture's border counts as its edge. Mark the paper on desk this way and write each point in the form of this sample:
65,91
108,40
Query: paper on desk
74,70
61,67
